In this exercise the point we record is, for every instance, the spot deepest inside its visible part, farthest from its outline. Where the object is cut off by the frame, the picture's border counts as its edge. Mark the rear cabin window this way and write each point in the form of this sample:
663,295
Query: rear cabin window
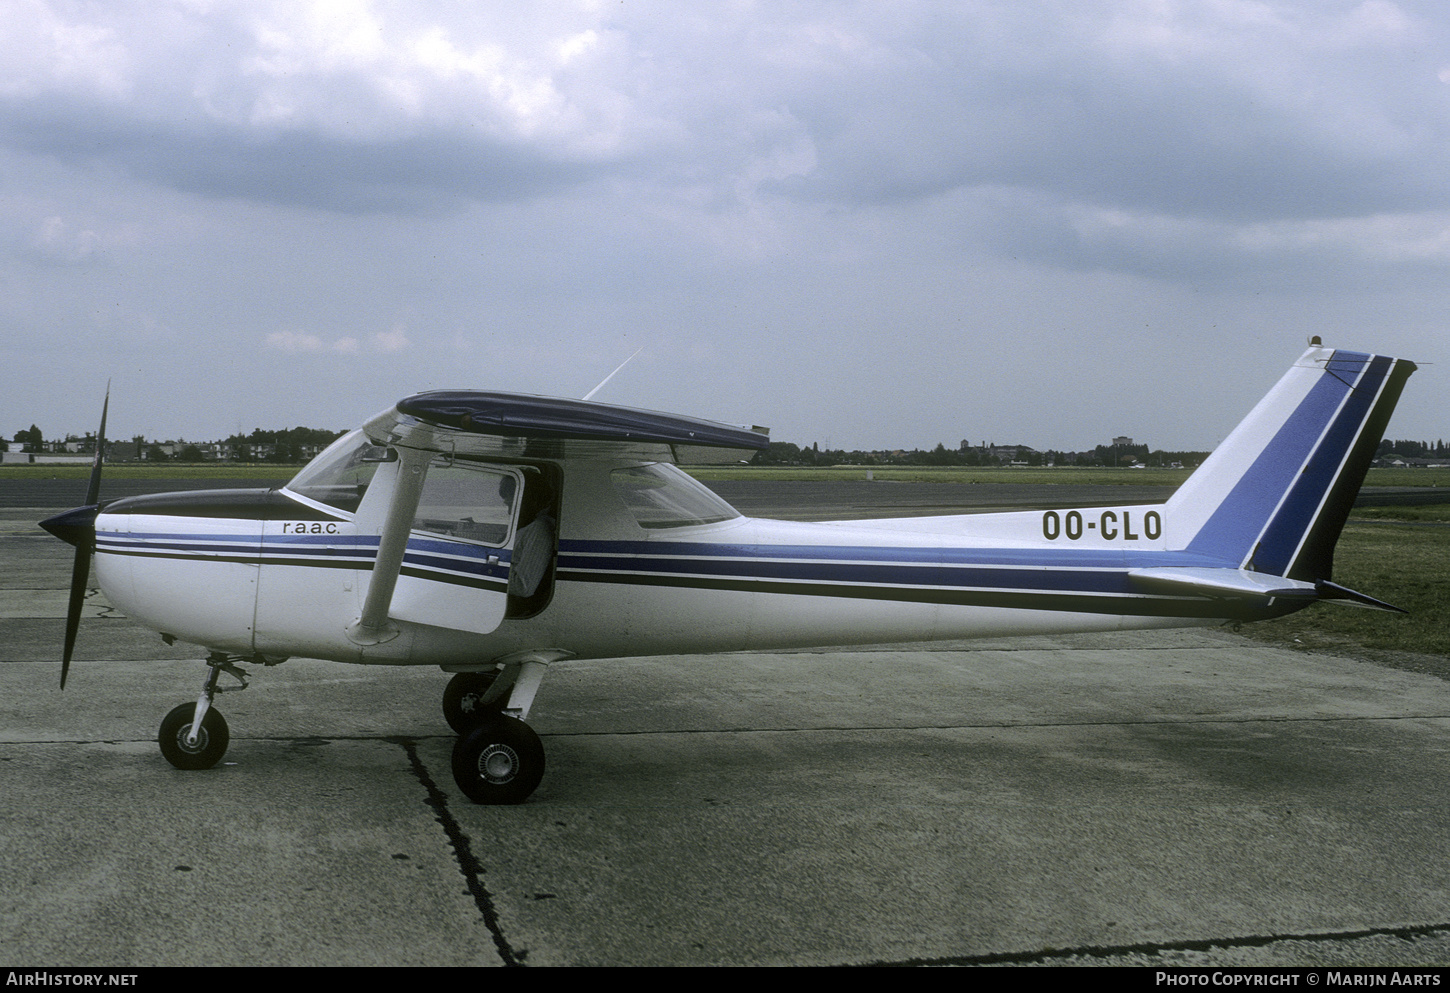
661,496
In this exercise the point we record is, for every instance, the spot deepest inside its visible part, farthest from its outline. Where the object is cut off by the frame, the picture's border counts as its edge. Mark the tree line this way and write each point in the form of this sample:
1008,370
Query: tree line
290,445
787,453
1414,449
287,445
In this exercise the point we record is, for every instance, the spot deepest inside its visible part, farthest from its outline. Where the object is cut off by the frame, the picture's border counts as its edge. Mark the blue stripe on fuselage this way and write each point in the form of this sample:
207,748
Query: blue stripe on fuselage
1038,578
1046,570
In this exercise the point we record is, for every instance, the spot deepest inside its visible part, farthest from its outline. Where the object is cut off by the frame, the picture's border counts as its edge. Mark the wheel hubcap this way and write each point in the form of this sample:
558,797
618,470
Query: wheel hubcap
498,764
185,746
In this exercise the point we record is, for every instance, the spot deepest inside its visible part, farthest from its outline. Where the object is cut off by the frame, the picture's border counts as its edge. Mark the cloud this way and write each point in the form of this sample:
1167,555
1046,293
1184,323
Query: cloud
1232,110
300,343
848,193
338,105
391,341
61,242
295,343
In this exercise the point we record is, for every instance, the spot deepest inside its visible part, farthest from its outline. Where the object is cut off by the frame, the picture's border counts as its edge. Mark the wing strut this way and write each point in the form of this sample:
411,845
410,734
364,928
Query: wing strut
373,627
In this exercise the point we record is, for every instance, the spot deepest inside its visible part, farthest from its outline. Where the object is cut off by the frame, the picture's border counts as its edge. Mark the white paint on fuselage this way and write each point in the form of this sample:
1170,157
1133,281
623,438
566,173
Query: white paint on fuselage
180,583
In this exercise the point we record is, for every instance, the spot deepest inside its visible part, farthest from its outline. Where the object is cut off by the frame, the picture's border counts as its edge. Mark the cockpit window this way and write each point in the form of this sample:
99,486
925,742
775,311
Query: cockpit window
661,496
340,475
469,502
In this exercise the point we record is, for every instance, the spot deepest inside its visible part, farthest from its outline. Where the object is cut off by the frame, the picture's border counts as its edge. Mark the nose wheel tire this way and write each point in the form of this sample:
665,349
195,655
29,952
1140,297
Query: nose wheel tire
499,761
210,745
463,700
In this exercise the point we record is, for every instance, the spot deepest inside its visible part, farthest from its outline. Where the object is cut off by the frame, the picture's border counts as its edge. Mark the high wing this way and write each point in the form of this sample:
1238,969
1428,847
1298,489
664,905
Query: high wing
518,425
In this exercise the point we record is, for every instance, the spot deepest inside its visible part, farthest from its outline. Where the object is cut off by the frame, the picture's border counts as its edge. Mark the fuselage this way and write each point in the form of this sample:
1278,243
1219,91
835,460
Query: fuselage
648,563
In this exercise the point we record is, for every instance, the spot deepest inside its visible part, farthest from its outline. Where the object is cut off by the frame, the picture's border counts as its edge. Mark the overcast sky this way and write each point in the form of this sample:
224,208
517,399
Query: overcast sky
862,224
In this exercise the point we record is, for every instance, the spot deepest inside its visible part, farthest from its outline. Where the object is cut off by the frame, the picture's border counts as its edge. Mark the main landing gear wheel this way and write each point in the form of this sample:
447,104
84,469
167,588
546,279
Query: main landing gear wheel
500,761
210,745
463,700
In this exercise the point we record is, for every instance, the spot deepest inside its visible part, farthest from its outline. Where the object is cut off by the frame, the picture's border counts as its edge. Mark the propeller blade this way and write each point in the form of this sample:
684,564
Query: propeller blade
79,573
93,489
79,528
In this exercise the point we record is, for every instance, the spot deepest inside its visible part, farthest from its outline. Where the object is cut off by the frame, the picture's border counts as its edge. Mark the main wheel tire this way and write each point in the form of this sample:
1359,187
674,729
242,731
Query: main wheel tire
462,700
211,743
500,761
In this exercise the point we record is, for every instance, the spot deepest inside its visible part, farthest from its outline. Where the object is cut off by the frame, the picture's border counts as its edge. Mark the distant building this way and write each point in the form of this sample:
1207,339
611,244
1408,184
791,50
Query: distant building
1393,461
38,458
123,451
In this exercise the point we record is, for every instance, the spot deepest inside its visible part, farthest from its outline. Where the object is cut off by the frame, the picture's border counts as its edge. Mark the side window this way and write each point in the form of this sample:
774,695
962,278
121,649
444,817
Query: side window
472,503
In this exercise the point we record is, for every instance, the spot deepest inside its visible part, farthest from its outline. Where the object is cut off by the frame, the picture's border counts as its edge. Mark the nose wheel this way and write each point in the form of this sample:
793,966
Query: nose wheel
193,735
193,751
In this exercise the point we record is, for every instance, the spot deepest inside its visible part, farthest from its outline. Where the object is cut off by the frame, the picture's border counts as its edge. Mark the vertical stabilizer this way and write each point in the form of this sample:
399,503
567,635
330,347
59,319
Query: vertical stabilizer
1274,496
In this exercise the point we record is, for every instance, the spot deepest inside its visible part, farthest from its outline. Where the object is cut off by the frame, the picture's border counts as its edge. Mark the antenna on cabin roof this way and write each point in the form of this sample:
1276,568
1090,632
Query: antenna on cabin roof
607,378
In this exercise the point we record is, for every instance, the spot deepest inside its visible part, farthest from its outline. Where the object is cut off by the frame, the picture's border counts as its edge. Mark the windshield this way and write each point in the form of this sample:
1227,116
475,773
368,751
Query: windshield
340,475
661,496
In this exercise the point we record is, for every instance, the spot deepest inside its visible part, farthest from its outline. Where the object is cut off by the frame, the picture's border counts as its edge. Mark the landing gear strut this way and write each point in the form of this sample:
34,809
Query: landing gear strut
193,735
498,759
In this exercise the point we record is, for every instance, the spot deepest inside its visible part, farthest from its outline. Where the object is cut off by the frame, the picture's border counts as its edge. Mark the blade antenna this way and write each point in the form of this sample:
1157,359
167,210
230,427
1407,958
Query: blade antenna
607,378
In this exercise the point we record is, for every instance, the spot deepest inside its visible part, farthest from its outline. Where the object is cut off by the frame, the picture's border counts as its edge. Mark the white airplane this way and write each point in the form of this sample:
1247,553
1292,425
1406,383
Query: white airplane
493,535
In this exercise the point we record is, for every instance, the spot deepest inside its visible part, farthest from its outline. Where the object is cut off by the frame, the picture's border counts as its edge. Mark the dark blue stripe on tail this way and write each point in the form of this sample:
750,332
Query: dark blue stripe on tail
1232,530
1292,522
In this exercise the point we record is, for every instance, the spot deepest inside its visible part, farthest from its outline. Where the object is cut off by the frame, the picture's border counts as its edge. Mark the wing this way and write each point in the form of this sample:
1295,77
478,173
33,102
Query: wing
516,425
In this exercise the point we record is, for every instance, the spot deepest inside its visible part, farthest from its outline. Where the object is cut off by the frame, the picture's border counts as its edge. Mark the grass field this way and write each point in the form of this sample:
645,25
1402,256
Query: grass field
264,474
1036,477
1397,554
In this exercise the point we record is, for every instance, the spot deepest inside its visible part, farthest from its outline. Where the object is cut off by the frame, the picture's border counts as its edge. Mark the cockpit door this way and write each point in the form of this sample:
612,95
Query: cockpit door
456,569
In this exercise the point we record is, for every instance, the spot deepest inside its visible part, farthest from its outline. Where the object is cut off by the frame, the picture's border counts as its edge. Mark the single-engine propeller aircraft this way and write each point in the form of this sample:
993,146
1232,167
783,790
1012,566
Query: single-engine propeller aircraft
494,534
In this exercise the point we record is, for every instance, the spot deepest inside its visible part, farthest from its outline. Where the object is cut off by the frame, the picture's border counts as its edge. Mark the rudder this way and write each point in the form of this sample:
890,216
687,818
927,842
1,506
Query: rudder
1274,496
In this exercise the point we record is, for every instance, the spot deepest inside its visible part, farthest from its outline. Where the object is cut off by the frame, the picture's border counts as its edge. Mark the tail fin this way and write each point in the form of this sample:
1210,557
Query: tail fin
1274,496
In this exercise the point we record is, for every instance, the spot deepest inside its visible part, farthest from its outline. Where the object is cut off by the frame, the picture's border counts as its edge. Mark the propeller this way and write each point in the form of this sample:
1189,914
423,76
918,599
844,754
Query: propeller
78,527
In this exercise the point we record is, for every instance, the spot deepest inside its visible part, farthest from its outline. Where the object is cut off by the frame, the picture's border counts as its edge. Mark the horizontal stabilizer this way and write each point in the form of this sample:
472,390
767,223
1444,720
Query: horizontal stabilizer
1221,583
1334,593
1240,583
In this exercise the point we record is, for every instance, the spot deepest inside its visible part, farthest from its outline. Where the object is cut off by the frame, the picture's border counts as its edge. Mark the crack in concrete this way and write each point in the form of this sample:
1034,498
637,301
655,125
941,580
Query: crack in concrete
468,863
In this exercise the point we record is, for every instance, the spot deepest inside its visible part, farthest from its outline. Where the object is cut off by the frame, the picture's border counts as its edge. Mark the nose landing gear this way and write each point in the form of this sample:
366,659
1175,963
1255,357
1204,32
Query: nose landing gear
193,735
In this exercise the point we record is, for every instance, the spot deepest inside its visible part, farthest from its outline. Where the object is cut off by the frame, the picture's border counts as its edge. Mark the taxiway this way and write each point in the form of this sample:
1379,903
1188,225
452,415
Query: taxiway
1181,798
